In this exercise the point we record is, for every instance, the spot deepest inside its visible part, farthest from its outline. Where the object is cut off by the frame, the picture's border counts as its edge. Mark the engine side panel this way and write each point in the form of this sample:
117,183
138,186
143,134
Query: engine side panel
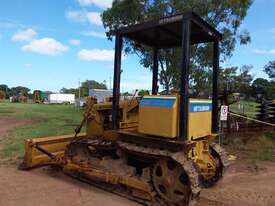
159,116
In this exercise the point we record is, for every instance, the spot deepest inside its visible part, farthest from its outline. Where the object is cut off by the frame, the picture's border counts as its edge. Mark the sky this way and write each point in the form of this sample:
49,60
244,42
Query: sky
51,44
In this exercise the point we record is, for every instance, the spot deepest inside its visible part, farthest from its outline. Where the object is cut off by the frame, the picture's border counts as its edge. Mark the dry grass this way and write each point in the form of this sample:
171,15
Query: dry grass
253,147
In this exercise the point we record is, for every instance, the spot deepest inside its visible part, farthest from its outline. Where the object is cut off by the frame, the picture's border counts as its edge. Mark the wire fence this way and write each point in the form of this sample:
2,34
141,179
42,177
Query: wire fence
248,117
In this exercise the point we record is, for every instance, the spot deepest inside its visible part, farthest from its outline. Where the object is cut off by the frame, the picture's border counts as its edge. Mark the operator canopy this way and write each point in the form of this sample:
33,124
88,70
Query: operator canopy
180,30
167,32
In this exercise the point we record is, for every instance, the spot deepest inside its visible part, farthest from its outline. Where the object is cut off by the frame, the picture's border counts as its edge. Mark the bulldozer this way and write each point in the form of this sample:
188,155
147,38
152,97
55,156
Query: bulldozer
39,97
158,149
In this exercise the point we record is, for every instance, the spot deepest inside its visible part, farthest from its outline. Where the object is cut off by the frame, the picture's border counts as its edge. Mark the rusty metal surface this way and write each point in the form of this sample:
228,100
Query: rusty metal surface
180,157
222,153
91,164
46,151
171,181
96,160
135,137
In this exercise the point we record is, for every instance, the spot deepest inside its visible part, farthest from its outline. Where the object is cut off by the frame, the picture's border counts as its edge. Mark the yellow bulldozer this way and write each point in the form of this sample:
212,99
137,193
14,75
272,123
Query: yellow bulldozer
158,149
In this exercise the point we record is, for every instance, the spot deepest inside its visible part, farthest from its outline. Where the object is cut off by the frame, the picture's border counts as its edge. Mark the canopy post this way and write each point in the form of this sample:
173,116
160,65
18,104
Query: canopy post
184,79
155,72
116,86
216,54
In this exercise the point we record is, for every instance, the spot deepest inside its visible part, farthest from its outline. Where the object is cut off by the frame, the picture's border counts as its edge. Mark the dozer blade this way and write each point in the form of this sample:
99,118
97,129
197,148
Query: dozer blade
45,151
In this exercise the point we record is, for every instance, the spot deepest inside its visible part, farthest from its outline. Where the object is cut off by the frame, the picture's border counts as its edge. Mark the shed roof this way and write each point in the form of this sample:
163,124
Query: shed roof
167,32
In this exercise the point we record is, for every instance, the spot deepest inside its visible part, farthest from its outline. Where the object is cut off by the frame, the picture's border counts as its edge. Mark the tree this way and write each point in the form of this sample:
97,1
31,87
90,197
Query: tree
225,15
227,84
243,81
70,91
2,95
260,87
227,79
75,91
271,89
20,90
84,89
200,86
5,88
91,84
235,80
143,92
269,69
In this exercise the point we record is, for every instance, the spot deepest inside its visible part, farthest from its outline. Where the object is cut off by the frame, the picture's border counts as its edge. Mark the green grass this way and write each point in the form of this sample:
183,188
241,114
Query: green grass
47,120
265,148
248,108
254,147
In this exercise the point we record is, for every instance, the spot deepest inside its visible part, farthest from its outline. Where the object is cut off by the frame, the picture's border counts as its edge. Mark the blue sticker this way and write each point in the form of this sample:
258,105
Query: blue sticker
158,102
200,107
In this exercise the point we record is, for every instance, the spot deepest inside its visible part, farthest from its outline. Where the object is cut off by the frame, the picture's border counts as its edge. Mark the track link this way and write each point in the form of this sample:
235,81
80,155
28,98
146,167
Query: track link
180,157
222,153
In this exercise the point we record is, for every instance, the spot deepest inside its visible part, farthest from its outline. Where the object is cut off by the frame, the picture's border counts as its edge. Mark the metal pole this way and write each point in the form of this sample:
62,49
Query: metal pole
78,90
184,102
155,72
116,85
222,135
215,105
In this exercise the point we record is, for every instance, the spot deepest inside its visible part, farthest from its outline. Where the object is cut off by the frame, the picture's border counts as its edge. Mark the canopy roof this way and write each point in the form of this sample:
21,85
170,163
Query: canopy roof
167,32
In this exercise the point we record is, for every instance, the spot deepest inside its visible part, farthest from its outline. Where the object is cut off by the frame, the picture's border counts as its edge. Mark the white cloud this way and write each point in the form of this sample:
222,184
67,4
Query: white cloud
95,34
47,46
82,17
94,18
96,55
264,51
74,42
77,16
99,3
24,35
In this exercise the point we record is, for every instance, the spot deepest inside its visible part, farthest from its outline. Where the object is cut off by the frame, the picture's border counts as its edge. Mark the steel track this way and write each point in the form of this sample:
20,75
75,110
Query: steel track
180,157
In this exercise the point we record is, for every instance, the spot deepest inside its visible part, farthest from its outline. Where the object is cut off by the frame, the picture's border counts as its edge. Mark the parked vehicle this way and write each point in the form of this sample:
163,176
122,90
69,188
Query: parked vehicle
61,98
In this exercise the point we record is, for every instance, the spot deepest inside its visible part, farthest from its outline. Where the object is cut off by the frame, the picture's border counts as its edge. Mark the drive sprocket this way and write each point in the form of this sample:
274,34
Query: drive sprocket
171,182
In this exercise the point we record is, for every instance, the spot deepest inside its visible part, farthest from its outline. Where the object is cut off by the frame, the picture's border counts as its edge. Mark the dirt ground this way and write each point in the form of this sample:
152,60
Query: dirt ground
10,123
243,184
45,187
